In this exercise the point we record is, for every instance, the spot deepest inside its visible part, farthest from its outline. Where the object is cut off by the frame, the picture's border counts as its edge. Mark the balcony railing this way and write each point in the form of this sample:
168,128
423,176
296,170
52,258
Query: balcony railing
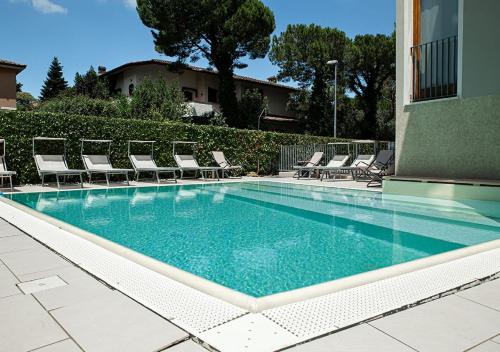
434,73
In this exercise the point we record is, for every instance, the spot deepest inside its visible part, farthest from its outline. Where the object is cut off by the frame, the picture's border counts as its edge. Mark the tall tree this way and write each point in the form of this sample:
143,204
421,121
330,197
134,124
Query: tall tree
55,83
301,53
221,31
371,62
91,85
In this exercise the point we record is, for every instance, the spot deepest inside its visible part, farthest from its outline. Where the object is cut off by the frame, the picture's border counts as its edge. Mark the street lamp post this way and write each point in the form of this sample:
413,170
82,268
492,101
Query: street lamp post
334,62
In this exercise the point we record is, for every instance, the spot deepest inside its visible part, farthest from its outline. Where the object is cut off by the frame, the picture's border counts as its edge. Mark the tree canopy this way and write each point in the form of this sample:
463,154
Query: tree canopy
221,31
55,83
301,53
91,85
370,64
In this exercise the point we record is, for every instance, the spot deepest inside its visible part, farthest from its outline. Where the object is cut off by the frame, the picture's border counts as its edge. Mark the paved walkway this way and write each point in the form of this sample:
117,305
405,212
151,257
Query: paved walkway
466,321
67,310
48,304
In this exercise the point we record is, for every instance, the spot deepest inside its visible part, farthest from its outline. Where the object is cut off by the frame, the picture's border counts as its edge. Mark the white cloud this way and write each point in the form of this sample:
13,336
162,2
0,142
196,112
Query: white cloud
48,7
130,3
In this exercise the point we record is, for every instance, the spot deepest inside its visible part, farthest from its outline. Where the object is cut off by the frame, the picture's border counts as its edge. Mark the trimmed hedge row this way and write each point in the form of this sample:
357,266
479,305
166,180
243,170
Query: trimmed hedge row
241,146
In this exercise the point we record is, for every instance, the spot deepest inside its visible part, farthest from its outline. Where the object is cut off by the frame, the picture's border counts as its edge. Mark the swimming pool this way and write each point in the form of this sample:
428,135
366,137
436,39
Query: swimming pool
264,238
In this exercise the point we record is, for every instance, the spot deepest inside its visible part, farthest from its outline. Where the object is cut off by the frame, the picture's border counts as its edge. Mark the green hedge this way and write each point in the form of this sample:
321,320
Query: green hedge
240,146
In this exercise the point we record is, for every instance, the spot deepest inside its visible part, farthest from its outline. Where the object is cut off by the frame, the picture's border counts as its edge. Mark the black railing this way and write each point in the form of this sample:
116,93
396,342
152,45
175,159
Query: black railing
434,69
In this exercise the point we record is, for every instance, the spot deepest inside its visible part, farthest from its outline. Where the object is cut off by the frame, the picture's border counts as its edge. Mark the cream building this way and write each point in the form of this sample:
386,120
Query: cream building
8,72
200,87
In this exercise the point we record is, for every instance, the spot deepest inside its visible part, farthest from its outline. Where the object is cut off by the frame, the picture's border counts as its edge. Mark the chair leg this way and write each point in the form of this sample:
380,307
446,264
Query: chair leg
157,177
57,181
107,178
81,181
11,185
175,176
43,178
126,176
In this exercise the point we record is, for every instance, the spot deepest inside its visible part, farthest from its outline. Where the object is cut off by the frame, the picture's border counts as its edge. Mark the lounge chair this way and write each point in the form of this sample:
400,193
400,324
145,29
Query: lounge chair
146,163
100,164
380,167
55,165
307,167
356,166
226,166
337,162
4,172
189,163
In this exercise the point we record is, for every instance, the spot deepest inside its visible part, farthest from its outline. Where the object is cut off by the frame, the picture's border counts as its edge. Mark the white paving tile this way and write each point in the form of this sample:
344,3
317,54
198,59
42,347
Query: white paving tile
7,282
113,322
47,283
63,346
25,325
447,324
488,346
17,243
32,260
487,294
80,287
188,346
7,229
362,338
251,332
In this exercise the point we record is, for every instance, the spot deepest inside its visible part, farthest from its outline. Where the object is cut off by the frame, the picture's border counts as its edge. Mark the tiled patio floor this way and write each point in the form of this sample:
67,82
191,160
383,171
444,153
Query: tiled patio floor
82,314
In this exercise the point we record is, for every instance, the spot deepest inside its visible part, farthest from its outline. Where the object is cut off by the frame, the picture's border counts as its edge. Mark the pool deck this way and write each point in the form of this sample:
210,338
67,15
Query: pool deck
70,310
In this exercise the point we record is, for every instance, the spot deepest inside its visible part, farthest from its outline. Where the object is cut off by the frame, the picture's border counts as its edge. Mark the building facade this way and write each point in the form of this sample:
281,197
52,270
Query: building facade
200,87
448,89
8,73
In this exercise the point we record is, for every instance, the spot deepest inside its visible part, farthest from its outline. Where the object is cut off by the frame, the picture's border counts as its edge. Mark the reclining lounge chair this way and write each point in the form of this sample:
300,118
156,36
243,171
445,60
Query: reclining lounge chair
308,167
4,172
54,164
226,166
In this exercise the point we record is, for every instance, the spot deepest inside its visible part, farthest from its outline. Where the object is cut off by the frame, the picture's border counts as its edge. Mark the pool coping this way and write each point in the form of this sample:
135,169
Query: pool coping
247,302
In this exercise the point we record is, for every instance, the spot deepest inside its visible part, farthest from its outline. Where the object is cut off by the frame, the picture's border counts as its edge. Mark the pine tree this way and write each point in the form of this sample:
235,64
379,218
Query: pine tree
55,83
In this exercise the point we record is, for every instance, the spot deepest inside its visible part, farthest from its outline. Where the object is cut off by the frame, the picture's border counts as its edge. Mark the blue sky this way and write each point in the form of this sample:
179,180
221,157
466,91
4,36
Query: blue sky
109,32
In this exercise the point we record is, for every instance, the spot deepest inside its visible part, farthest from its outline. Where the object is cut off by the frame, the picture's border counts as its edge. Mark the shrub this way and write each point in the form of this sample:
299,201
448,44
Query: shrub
25,101
244,147
158,100
82,105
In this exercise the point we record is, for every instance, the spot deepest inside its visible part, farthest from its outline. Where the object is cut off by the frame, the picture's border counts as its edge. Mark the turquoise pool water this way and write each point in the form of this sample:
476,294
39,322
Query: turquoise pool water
261,238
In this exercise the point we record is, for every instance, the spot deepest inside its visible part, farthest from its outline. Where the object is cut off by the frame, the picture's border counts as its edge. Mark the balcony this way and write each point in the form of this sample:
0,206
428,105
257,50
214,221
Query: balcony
434,70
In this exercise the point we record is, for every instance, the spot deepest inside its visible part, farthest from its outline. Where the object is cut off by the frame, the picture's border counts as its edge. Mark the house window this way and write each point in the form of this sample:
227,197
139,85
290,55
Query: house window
434,53
189,93
131,89
213,95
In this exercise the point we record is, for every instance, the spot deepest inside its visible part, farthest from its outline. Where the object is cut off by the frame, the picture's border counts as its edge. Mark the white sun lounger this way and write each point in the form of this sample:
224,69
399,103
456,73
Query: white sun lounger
146,163
356,166
4,172
189,163
308,166
54,164
333,165
100,164
226,166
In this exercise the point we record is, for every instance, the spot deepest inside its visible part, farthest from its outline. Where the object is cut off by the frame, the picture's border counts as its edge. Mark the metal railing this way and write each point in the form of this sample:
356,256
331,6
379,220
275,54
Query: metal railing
434,67
291,155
